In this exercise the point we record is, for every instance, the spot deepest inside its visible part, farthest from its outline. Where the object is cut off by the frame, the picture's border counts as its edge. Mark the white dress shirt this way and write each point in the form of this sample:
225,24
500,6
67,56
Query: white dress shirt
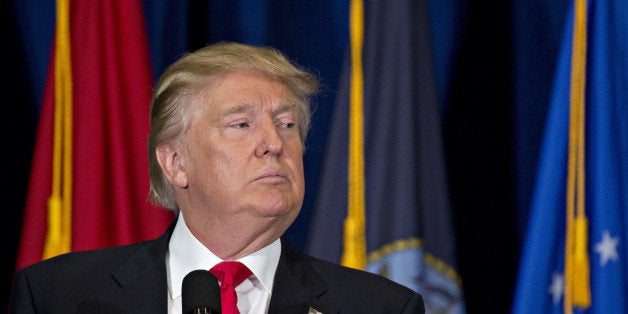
186,253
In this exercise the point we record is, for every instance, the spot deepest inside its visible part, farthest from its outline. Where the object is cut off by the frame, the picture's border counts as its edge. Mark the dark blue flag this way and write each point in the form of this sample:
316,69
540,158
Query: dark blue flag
544,285
408,226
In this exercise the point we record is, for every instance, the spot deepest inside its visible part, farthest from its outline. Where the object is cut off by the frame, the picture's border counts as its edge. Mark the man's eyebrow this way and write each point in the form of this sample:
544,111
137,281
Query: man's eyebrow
239,108
284,106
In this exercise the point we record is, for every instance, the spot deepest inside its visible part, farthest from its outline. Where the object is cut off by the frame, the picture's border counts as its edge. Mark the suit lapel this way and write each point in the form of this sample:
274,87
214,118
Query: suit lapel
297,286
142,279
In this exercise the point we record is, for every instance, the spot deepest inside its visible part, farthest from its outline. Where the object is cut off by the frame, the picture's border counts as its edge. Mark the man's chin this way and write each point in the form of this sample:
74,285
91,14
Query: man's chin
277,210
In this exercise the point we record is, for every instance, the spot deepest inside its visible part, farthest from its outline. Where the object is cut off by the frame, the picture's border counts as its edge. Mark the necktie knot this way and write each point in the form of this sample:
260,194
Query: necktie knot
230,274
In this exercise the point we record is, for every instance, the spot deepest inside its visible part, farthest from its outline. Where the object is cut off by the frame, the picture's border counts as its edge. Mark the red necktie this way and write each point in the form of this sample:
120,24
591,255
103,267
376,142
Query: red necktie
230,274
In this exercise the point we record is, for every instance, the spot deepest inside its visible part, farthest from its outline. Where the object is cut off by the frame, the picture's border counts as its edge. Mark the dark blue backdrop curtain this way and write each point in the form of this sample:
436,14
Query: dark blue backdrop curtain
493,63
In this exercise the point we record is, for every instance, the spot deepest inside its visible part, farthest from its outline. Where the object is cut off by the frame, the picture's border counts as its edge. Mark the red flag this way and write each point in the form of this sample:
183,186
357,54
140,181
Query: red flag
111,86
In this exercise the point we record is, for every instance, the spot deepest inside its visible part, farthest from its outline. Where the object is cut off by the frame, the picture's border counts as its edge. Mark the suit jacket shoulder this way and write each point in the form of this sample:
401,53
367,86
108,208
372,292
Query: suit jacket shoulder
303,281
124,279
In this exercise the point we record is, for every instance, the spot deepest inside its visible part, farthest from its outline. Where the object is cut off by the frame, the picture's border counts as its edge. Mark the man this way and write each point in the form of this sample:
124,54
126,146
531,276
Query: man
228,126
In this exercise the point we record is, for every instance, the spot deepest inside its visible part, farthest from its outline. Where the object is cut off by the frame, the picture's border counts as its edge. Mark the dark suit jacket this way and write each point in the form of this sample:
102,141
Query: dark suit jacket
132,279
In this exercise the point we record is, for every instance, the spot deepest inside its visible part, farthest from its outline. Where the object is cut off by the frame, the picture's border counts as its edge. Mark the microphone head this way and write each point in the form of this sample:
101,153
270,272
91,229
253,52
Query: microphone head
200,293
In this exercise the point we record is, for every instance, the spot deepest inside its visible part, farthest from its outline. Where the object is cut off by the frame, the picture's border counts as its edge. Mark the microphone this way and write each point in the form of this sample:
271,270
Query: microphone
200,293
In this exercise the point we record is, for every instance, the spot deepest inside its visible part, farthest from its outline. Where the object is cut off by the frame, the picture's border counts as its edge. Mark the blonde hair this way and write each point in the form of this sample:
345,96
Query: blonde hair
197,70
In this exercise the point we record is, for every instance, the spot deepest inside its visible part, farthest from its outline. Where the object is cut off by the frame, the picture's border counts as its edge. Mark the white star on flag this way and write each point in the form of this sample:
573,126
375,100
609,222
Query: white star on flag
607,248
556,289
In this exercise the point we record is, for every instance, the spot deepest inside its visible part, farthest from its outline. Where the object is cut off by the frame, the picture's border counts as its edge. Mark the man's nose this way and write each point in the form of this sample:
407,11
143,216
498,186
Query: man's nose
270,142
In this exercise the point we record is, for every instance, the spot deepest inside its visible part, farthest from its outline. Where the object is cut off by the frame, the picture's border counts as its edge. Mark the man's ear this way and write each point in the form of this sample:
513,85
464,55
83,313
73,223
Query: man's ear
172,164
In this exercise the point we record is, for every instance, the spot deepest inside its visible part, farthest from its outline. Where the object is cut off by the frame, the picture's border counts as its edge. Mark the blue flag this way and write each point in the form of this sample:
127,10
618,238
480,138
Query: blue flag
541,281
408,226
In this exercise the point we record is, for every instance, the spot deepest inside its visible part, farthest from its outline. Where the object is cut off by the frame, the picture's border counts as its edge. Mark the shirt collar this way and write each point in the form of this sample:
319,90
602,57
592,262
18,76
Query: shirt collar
186,253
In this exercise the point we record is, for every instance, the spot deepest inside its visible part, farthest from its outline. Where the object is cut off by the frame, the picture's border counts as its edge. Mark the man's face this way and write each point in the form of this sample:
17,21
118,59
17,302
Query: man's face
242,153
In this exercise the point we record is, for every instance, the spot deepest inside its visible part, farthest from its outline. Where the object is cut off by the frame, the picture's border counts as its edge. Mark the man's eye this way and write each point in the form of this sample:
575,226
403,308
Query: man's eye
241,125
287,125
